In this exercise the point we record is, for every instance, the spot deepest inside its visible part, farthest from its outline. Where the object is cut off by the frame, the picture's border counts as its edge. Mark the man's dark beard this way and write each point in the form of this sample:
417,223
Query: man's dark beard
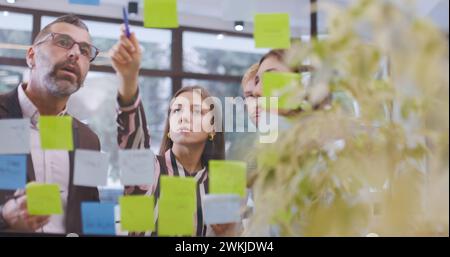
61,65
53,81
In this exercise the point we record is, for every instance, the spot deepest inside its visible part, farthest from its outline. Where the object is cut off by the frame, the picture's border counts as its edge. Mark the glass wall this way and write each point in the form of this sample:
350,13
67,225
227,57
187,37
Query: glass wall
15,34
218,53
221,90
155,43
223,56
155,93
11,76
96,103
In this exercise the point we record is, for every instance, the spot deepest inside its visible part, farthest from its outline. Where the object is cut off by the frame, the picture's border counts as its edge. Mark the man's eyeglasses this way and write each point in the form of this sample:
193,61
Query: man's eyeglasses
67,42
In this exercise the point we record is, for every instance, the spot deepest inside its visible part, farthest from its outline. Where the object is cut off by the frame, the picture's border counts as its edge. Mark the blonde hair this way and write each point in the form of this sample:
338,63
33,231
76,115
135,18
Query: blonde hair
250,73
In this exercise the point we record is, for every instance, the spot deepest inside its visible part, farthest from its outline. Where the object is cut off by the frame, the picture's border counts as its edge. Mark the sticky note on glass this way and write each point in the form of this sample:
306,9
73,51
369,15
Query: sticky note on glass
43,199
98,218
56,132
279,84
137,167
179,188
227,177
221,209
160,14
136,213
13,170
176,217
85,2
272,31
91,168
14,136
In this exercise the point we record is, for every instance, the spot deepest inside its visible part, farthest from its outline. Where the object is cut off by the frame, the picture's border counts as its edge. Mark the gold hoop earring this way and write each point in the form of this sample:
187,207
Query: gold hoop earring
168,135
211,137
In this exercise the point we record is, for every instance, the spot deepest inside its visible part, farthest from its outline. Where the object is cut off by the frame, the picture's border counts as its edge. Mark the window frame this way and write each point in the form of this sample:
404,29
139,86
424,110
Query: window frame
175,72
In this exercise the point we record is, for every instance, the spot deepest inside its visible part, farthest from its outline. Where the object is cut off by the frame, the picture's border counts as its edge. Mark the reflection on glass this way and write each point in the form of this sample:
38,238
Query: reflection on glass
155,43
218,54
216,88
156,94
15,34
95,104
11,77
221,90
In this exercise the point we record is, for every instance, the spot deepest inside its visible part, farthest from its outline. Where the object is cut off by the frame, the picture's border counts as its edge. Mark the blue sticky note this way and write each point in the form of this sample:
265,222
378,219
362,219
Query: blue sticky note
13,170
98,218
85,2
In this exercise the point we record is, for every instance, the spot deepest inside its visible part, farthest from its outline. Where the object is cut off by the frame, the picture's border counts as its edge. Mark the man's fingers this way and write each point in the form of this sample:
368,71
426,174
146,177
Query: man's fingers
126,50
37,219
121,55
116,56
31,222
120,52
113,55
24,214
41,219
224,228
22,202
133,39
218,228
35,225
19,192
36,222
122,29
125,42
125,54
118,59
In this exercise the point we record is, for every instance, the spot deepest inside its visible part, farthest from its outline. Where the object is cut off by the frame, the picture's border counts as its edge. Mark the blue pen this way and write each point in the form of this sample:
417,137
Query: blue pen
125,19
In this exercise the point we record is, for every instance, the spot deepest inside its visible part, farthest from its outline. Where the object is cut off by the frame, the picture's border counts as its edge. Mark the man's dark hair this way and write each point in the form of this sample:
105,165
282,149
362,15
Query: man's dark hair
69,18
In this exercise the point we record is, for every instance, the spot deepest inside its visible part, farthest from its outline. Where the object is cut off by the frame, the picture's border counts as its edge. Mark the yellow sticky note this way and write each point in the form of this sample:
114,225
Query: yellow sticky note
176,217
227,177
160,14
277,84
56,132
272,31
176,206
136,213
43,199
179,188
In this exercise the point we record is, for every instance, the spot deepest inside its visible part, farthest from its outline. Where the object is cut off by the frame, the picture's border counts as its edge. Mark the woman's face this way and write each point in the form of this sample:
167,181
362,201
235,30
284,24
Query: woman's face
254,87
251,94
271,64
189,120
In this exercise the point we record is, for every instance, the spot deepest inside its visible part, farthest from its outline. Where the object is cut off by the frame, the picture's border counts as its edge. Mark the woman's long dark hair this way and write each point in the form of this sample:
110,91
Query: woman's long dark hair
215,149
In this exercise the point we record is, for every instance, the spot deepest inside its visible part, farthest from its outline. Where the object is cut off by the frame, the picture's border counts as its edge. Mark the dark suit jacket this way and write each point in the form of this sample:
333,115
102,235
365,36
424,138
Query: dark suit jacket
84,138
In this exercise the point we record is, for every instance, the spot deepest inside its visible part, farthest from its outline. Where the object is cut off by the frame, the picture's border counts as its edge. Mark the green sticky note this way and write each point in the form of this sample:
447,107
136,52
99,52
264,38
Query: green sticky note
43,199
176,206
272,31
227,177
56,132
179,188
277,84
136,213
160,14
176,217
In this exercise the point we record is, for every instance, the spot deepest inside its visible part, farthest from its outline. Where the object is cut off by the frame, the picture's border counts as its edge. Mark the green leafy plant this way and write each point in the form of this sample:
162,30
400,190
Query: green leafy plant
383,170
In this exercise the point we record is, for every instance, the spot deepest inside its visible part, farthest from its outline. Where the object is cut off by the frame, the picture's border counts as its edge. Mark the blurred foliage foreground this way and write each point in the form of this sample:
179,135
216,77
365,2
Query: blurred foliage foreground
383,171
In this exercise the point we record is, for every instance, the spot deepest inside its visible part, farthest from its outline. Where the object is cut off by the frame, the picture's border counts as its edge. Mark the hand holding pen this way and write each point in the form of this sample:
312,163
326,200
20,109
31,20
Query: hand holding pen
16,215
126,61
